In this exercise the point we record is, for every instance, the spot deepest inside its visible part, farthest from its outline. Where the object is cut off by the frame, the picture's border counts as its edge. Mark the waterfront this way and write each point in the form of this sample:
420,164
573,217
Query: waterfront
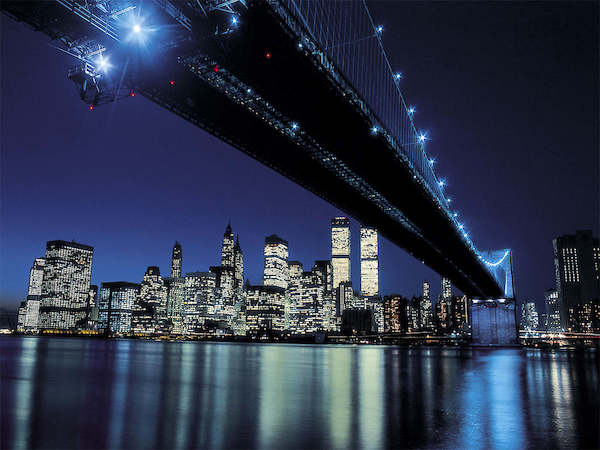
88,393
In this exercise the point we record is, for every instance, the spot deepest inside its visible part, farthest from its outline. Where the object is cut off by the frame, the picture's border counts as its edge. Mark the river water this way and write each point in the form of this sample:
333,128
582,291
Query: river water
85,393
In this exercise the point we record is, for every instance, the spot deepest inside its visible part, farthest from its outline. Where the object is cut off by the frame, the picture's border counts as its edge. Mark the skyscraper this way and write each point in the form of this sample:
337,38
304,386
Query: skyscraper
36,277
227,256
65,285
29,310
238,264
150,309
369,263
426,309
552,310
529,317
577,271
446,288
340,250
176,261
115,306
276,262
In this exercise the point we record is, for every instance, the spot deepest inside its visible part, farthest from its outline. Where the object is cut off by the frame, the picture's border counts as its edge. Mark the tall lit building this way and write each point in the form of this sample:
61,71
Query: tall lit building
340,250
176,261
529,317
426,309
115,306
276,262
28,318
238,264
227,249
553,322
443,314
393,312
199,300
65,285
577,271
150,309
446,288
265,309
369,263
459,309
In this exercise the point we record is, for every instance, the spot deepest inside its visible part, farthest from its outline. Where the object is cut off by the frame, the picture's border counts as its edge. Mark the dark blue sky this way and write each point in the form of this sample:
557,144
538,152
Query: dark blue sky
508,92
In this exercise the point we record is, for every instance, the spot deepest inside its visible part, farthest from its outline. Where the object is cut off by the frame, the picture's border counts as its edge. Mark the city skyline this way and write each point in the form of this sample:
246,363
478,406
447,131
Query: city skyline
87,218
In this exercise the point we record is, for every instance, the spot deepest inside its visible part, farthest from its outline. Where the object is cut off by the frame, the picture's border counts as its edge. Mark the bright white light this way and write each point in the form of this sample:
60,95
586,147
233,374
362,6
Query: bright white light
466,234
411,110
234,20
299,44
294,126
398,75
460,226
441,183
380,28
431,162
137,28
103,63
374,130
422,138
455,214
449,200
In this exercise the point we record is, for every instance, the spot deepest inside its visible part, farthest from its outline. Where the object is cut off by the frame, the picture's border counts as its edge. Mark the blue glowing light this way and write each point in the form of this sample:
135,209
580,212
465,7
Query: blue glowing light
497,263
431,162
234,20
449,200
294,126
461,226
299,44
137,28
422,137
441,183
103,63
380,28
374,130
455,214
398,75
411,110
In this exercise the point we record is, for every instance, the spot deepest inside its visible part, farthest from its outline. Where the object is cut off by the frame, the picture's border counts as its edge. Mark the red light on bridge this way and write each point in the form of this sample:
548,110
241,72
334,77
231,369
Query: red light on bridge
268,55
216,68
91,107
172,82
132,94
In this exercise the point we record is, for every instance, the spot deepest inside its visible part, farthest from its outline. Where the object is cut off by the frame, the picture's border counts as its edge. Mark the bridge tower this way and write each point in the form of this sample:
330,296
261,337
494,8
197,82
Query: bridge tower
493,320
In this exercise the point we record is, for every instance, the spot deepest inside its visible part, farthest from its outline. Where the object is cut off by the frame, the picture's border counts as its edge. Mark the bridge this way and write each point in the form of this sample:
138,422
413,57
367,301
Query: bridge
303,86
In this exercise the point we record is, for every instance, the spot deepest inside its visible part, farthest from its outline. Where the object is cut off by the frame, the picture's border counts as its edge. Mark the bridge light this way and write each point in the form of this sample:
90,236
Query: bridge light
441,183
234,20
294,126
132,93
300,45
411,110
455,214
398,75
460,226
249,91
466,235
379,29
422,137
374,130
268,55
172,82
431,162
137,28
91,107
103,63
449,200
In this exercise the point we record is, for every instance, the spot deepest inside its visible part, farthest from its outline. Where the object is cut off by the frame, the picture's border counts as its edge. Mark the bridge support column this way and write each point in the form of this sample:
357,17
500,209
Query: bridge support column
493,322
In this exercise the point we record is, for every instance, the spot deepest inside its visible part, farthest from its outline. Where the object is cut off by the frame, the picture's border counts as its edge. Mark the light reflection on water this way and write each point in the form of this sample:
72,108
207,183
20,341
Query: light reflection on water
68,393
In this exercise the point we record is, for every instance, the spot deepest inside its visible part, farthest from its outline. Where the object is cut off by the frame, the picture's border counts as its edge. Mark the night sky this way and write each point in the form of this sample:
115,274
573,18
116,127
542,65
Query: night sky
507,91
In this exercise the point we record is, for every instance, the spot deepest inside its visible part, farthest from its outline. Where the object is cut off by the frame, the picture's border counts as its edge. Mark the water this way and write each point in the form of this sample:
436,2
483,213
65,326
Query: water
66,393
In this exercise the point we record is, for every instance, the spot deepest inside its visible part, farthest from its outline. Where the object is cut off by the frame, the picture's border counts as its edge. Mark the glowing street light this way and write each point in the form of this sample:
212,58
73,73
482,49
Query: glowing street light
137,28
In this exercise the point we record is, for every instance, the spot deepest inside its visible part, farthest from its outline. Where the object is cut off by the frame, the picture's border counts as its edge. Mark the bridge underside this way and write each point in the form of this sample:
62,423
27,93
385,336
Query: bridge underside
228,86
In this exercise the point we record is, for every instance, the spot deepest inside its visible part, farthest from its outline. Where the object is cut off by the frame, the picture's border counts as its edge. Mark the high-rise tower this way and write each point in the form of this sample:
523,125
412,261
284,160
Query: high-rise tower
176,261
340,250
276,262
238,263
369,263
446,288
227,256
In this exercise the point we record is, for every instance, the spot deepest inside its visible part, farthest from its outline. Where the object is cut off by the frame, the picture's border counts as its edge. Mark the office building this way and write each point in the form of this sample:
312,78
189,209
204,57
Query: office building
115,307
150,309
577,271
65,285
446,288
426,309
553,322
265,310
199,301
176,261
340,250
276,262
369,262
529,317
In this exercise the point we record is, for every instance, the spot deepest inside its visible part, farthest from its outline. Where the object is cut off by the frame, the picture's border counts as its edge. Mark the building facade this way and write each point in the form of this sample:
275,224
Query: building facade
276,262
65,285
176,261
369,262
340,250
115,306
